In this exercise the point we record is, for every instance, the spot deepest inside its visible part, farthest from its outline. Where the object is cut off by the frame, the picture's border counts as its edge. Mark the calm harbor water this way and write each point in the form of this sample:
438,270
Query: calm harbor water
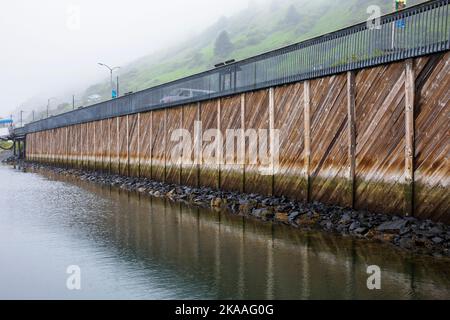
133,247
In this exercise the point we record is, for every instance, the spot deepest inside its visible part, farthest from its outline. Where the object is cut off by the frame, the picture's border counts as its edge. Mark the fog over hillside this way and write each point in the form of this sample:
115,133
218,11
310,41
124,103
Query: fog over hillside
55,57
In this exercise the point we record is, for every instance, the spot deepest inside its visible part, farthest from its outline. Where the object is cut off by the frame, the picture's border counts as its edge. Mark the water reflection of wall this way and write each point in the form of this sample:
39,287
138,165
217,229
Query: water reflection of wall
233,257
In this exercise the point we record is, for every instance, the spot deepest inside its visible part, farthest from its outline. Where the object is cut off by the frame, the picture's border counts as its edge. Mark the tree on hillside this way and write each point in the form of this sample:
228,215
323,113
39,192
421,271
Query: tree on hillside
223,46
292,16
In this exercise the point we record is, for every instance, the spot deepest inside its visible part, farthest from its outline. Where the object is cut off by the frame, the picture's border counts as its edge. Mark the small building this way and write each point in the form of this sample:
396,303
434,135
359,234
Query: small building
5,123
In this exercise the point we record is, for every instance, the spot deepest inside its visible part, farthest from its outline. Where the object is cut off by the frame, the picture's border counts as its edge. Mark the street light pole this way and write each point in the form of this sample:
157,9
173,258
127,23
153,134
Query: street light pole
48,105
111,70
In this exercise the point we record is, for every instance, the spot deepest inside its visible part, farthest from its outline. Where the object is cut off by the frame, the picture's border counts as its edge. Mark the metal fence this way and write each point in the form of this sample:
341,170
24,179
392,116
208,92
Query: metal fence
415,31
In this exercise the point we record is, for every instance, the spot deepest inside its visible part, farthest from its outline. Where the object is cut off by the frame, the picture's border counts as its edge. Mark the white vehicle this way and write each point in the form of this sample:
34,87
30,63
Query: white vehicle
94,98
182,94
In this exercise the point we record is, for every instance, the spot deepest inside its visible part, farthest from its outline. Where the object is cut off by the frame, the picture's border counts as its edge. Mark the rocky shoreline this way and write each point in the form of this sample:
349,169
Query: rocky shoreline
407,233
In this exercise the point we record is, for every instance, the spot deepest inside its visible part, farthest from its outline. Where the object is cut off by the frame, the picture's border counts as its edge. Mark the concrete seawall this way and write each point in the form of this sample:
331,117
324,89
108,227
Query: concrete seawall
374,139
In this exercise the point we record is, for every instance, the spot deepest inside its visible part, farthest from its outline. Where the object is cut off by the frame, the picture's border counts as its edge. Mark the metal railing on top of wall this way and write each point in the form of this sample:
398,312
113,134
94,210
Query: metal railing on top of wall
415,31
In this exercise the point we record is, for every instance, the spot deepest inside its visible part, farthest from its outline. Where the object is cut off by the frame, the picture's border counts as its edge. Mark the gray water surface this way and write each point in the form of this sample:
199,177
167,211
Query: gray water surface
133,247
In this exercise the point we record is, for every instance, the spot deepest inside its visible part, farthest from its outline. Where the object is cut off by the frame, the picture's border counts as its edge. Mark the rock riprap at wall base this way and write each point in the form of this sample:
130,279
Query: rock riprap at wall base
408,233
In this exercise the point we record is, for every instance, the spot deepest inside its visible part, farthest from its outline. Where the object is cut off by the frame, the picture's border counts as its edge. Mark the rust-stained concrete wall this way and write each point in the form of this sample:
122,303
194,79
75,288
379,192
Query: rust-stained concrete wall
343,139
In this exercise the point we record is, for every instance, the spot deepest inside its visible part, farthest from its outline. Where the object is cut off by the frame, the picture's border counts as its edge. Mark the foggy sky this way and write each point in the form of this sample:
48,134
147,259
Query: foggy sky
45,51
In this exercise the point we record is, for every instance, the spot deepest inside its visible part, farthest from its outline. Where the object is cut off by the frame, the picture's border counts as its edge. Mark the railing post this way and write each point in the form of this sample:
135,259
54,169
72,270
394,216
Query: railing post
66,156
180,167
103,138
24,148
93,161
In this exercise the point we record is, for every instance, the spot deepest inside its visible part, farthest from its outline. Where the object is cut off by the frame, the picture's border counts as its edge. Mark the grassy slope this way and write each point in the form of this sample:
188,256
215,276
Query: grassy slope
255,30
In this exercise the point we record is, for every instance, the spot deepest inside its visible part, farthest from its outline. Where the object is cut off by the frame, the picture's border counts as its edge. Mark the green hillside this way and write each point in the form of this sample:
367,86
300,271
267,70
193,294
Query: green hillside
259,28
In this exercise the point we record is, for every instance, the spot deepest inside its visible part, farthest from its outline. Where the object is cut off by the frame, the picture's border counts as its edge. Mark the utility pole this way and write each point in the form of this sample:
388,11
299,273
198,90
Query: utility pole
33,115
73,102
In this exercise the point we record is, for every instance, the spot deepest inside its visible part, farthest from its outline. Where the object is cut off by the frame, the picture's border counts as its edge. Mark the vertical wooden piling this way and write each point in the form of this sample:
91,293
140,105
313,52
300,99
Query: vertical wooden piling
117,153
109,144
180,175
409,137
307,151
152,135
219,155
272,148
351,127
242,144
102,148
128,145
138,145
80,144
165,144
198,144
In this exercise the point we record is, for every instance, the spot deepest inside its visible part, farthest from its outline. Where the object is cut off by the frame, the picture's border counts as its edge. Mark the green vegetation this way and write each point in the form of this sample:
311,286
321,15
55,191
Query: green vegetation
223,46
